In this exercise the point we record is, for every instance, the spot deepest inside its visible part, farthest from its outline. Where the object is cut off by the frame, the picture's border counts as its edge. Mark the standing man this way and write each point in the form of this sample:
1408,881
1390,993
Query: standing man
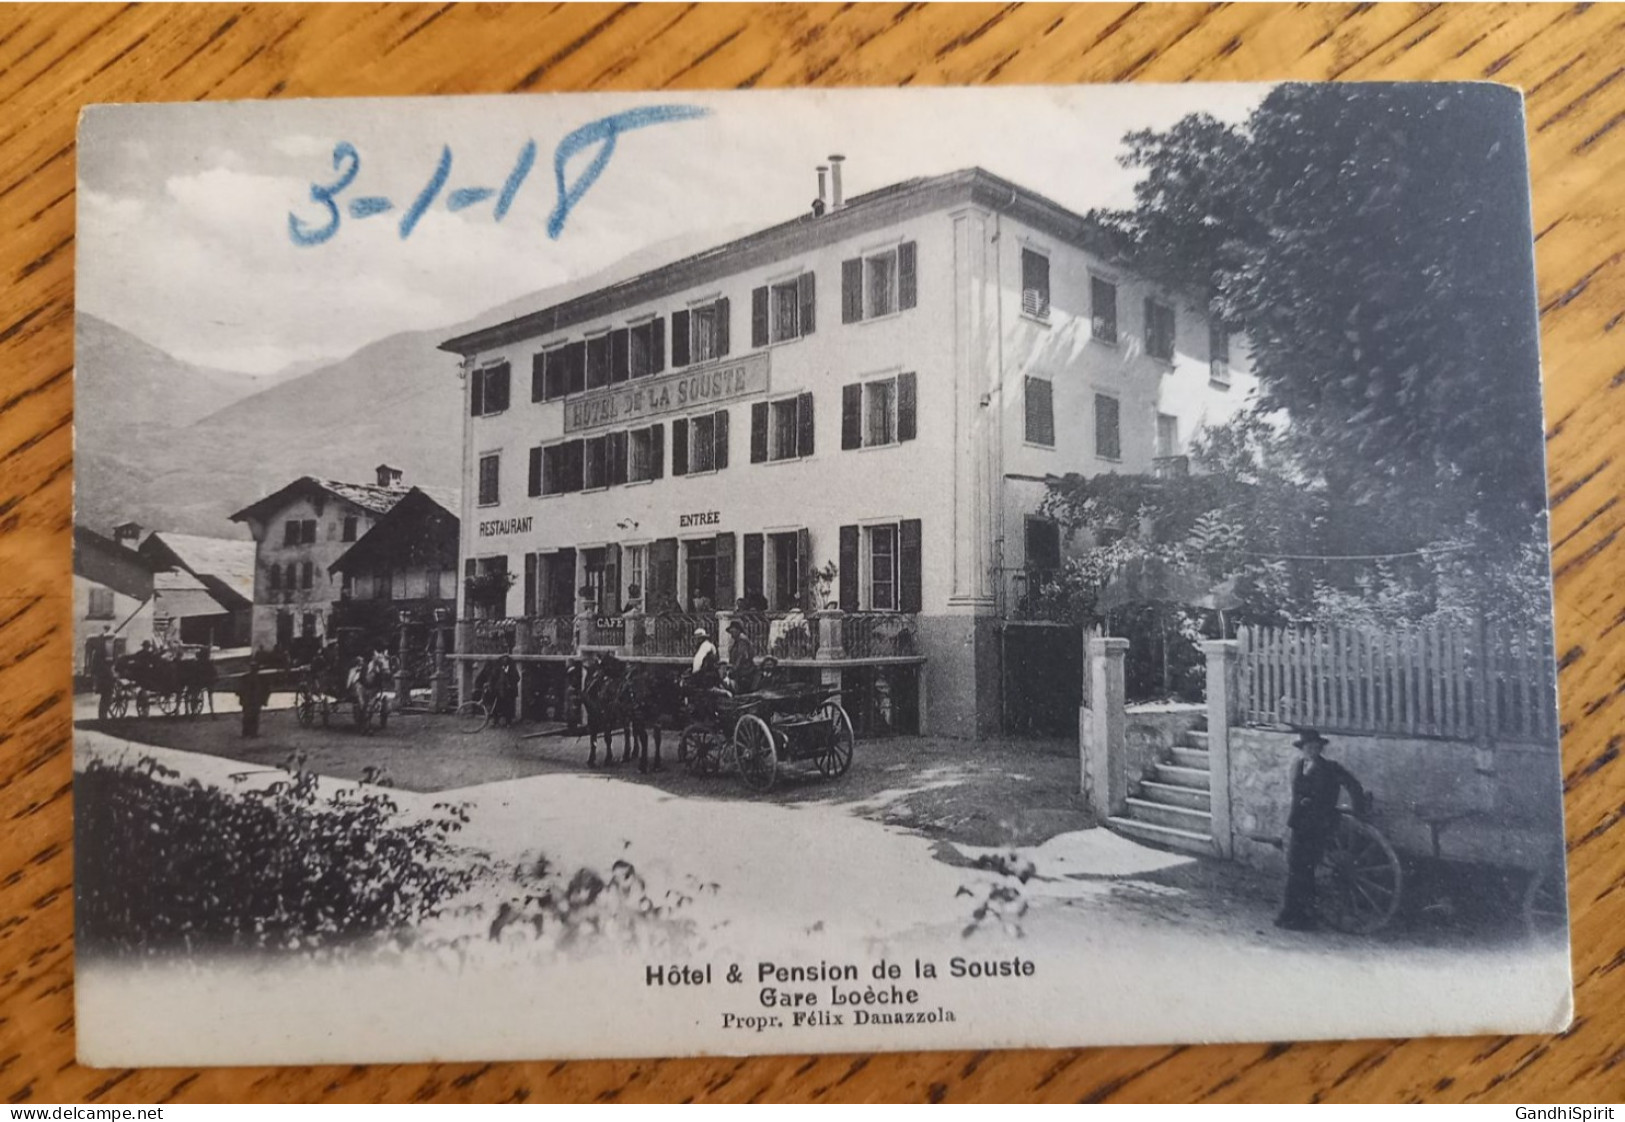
1316,783
101,672
252,695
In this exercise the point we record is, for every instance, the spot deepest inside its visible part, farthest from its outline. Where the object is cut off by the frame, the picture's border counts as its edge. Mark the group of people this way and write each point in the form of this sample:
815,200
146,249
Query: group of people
741,674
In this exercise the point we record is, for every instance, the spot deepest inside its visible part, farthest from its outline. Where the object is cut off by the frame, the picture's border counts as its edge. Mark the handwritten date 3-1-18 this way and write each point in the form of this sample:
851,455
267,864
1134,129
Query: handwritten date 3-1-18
602,132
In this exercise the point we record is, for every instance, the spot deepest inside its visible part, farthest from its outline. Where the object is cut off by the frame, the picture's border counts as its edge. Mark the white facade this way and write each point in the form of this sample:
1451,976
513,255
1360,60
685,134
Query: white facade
963,483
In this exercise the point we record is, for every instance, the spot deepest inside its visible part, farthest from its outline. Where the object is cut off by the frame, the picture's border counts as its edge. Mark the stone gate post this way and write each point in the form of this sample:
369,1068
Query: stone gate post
1223,663
1101,724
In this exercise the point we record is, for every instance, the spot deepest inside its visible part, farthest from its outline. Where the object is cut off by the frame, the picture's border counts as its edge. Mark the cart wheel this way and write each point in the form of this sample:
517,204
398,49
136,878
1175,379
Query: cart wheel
837,757
304,707
1545,901
472,717
119,705
753,748
700,749
1359,880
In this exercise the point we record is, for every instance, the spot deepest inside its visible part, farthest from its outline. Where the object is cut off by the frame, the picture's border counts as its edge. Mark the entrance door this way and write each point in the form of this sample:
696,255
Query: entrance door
786,571
701,559
558,592
1043,678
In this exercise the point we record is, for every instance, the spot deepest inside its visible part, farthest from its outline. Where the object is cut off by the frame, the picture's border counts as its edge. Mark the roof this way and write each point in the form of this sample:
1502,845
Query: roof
367,496
107,563
182,595
229,559
421,529
861,214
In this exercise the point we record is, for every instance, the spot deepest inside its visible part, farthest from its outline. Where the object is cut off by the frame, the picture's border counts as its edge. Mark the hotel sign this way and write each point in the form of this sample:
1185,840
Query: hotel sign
646,398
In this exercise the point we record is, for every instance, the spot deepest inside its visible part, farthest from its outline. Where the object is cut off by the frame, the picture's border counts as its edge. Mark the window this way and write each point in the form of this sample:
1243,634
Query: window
699,443
700,334
596,471
1108,439
646,449
490,478
878,284
1034,284
332,530
274,578
307,573
488,390
620,355
1159,329
701,565
1167,435
349,529
558,469
101,604
1040,401
1218,349
563,370
307,532
290,578
782,311
879,412
882,568
1103,310
290,532
636,559
646,348
307,625
1043,545
781,430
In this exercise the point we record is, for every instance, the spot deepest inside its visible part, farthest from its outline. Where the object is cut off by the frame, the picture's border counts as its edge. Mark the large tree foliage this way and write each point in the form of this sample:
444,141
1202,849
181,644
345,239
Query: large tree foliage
1372,242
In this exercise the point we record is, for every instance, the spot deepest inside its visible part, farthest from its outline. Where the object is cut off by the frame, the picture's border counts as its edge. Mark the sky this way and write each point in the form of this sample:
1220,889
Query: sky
184,209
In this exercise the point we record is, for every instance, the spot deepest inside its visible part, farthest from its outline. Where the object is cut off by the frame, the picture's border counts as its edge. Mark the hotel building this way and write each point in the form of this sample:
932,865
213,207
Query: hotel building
881,386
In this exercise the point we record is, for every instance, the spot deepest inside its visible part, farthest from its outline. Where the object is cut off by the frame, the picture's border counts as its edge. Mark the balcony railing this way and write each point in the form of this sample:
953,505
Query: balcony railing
879,635
788,636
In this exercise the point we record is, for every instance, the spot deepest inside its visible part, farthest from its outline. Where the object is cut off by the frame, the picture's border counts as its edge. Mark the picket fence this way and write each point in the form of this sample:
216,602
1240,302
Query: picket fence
1433,681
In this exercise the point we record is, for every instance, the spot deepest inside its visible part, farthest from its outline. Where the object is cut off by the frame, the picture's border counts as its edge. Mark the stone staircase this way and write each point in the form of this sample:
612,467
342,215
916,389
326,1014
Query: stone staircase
1172,808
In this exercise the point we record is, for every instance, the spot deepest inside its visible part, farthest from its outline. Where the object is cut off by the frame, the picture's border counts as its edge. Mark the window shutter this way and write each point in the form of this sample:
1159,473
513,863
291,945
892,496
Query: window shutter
620,355
906,296
679,446
657,451
807,292
612,580
909,595
722,327
530,584
804,425
906,429
657,346
804,561
852,290
722,439
576,471
576,369
617,458
476,393
1040,412
538,376
535,472
758,317
753,566
851,416
726,590
679,338
758,432
848,565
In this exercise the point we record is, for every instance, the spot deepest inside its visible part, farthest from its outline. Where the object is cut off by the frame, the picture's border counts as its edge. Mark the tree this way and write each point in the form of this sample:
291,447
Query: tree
1372,242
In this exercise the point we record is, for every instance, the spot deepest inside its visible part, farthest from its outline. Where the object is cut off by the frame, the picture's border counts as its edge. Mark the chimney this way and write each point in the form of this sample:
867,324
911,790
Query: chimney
823,198
389,477
127,534
835,202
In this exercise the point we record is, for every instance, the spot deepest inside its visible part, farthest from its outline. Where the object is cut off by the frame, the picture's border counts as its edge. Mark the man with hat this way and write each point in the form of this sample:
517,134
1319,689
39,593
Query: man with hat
1316,784
741,659
705,673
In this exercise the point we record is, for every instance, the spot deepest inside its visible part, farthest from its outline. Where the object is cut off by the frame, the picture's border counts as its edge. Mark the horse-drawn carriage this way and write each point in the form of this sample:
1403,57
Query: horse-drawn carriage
173,682
335,679
759,732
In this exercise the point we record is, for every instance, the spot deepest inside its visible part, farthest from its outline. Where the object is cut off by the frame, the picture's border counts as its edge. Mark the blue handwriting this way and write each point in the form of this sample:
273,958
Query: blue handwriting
602,133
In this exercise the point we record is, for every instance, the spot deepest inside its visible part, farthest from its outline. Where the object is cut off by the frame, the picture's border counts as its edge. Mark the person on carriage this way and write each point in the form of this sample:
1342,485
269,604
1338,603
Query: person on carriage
1316,783
741,677
705,671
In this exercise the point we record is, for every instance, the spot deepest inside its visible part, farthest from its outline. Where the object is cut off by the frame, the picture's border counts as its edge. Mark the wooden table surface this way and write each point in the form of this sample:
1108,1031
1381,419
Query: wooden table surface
1568,59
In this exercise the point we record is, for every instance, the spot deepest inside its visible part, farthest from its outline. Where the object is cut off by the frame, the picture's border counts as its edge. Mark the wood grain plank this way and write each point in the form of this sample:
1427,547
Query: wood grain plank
1570,60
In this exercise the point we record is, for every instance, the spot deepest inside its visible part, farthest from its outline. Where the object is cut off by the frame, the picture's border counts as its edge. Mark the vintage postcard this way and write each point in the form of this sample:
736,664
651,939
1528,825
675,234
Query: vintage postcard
751,572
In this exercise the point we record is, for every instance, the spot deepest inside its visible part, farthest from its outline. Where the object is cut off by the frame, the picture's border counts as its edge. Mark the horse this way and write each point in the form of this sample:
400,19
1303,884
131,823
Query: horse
603,697
651,699
365,682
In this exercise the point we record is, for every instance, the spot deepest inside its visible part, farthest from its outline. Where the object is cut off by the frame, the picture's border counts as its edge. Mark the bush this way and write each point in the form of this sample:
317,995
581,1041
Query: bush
167,866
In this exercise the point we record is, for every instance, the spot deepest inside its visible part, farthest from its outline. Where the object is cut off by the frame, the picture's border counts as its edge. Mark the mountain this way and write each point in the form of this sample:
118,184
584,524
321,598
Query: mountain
397,400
